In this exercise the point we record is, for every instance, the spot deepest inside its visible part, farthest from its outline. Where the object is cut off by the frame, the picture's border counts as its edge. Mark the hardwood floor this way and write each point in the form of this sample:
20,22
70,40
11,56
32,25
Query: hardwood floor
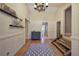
26,46
29,42
35,41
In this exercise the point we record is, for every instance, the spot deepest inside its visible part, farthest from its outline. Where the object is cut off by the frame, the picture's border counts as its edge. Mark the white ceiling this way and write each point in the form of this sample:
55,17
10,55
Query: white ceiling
52,7
56,4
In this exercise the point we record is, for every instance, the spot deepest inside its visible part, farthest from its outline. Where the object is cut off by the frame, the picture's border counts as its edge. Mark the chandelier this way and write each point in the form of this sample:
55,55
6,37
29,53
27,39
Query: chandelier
40,6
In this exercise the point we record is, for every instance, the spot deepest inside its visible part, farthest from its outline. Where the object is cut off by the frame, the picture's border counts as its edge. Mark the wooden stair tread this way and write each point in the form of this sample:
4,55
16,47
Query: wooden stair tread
66,42
67,38
67,46
63,44
68,53
56,51
64,48
60,47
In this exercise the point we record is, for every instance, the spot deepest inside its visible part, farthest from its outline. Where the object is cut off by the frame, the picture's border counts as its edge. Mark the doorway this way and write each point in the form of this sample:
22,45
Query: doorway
44,32
68,21
58,29
26,29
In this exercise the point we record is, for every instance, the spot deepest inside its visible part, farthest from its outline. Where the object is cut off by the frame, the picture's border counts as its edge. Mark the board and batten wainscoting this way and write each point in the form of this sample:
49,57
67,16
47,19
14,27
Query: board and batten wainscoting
75,45
12,38
10,44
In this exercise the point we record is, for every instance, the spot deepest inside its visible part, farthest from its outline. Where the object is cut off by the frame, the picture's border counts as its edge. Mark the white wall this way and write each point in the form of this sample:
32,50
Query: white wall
27,21
75,26
61,16
38,17
12,39
75,29
36,23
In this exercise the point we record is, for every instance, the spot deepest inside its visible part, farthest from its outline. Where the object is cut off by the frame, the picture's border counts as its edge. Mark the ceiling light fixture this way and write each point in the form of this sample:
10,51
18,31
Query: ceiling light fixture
40,6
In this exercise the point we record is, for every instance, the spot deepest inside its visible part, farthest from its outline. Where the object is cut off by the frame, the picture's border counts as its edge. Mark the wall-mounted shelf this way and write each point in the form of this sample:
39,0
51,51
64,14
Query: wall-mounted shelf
16,26
11,15
6,9
8,13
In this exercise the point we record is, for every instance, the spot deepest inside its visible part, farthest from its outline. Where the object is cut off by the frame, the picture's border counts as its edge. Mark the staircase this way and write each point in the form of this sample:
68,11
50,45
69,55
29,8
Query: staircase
63,45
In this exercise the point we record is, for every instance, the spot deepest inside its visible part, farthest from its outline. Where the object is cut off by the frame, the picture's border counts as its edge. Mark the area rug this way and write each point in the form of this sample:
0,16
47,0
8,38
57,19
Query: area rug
39,50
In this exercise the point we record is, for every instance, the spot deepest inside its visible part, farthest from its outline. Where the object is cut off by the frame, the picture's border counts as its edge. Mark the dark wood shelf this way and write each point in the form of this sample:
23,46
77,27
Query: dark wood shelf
16,26
8,13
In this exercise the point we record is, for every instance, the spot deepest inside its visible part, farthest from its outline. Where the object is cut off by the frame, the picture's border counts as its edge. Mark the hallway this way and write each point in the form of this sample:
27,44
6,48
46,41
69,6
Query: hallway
36,48
39,29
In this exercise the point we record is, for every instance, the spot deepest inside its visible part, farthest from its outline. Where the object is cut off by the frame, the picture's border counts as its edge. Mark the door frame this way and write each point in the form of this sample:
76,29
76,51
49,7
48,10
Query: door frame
69,8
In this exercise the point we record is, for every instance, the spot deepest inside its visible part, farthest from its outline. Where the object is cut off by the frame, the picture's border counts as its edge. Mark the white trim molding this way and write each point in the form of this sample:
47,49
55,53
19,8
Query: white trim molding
10,35
75,38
